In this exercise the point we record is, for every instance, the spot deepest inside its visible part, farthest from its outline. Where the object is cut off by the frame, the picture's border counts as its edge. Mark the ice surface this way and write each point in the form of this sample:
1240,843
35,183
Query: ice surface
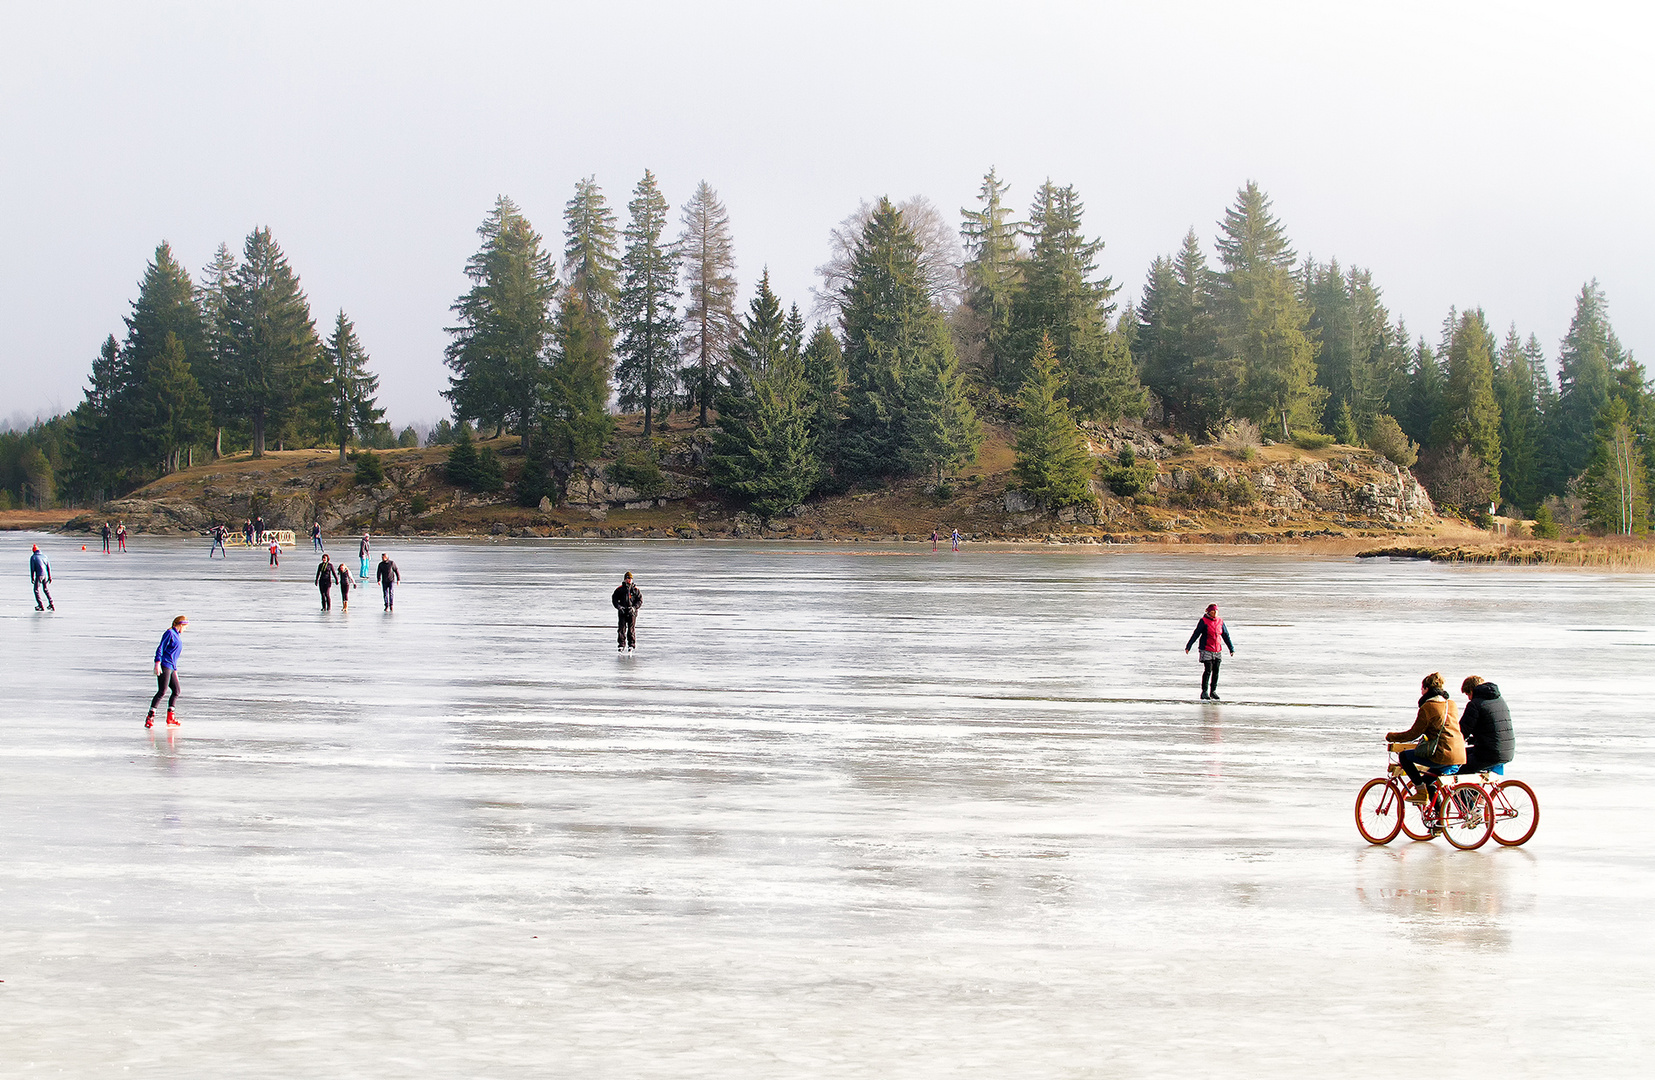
849,811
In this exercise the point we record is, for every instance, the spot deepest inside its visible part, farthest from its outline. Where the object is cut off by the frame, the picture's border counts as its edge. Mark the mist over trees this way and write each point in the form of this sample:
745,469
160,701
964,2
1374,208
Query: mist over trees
925,329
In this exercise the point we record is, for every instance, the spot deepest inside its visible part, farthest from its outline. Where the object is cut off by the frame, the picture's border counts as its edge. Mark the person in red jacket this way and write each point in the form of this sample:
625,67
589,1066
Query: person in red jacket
1210,631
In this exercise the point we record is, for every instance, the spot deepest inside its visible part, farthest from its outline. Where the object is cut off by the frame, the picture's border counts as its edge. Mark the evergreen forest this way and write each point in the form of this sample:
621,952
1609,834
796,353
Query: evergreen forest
924,331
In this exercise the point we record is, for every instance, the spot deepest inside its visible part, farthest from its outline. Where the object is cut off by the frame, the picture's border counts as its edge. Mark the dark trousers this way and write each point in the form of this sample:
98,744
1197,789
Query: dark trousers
327,597
1209,676
1420,769
168,679
390,600
41,587
626,627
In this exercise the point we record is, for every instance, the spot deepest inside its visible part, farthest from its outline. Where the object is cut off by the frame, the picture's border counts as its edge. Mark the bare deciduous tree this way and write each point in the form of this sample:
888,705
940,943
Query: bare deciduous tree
940,256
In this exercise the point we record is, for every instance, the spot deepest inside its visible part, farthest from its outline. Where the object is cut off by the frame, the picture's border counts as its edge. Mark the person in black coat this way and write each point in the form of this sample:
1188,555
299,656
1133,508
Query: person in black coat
627,600
1486,724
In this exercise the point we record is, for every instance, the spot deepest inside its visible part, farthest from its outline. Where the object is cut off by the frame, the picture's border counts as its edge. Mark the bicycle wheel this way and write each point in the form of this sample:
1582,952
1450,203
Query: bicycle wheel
1413,816
1468,816
1516,813
1379,811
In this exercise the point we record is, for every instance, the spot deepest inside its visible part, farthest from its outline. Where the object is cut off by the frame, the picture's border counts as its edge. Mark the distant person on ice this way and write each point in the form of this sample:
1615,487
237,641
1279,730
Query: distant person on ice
120,537
345,584
106,535
324,581
166,670
275,553
627,600
388,576
362,554
219,532
1210,631
40,576
316,534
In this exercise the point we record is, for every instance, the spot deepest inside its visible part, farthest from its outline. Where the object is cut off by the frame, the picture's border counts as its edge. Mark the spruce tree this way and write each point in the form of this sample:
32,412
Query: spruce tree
591,264
1616,480
1177,341
1470,414
1587,358
890,332
763,451
1263,319
648,318
170,408
1052,462
211,369
993,274
942,431
578,423
270,341
349,385
498,351
97,457
1515,393
825,380
710,289
1426,387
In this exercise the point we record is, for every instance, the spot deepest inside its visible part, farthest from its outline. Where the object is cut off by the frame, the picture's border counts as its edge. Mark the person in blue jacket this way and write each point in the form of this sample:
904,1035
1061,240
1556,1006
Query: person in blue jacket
166,670
1210,631
40,576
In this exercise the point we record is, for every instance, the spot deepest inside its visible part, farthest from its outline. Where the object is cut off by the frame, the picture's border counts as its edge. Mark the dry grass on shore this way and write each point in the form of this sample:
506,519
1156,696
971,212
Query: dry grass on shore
1619,553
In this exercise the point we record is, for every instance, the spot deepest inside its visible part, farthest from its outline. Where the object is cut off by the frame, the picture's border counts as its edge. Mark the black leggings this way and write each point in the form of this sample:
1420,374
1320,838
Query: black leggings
167,678
1209,676
327,597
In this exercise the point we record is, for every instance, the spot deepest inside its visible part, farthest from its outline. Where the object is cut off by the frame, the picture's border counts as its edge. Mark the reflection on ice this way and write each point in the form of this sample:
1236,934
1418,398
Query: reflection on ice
839,815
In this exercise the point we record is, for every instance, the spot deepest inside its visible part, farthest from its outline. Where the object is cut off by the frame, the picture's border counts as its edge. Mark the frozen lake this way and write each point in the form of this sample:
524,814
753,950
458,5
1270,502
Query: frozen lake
849,811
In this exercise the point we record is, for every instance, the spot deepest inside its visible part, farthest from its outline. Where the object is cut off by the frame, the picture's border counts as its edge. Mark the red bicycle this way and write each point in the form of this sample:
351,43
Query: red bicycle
1462,813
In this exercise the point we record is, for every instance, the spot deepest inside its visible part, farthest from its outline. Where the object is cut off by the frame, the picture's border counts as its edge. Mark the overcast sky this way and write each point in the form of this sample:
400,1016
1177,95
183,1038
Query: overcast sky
1492,154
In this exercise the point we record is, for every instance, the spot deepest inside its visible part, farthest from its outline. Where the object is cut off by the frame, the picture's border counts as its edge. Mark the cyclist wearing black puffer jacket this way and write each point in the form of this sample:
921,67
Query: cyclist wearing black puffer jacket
1486,725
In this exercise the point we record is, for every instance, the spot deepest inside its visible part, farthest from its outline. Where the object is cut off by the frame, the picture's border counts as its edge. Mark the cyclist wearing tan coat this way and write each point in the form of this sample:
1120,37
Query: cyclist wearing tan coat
1437,724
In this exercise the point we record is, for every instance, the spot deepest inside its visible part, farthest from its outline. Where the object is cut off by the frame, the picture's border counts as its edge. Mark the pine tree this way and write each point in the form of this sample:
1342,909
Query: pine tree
1471,415
1263,320
993,274
270,341
350,386
710,288
763,451
648,317
1515,393
170,409
498,351
1052,462
591,265
1587,359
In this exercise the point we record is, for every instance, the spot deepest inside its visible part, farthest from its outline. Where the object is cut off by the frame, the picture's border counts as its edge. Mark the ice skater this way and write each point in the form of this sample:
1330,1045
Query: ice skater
166,671
956,539
627,600
388,575
324,581
40,576
275,553
362,554
120,538
219,532
1210,631
345,583
258,526
107,533
316,534
933,541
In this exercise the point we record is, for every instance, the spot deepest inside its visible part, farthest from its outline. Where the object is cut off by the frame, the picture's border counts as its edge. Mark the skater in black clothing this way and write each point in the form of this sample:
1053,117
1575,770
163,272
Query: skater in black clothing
324,581
387,574
218,541
106,534
345,584
1210,631
627,600
316,535
40,576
